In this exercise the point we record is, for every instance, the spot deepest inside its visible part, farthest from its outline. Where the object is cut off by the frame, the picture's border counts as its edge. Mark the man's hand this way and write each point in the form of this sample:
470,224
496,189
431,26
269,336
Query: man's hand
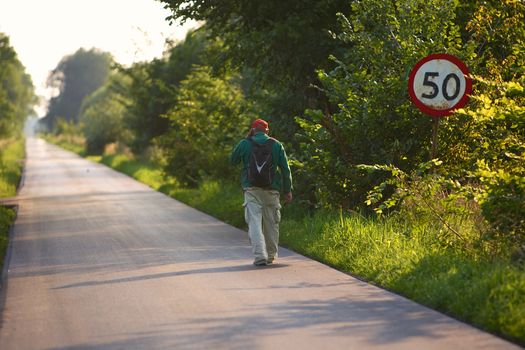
288,197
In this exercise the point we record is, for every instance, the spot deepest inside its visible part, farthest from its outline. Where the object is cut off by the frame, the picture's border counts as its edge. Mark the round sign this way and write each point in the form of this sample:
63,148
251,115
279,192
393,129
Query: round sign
439,84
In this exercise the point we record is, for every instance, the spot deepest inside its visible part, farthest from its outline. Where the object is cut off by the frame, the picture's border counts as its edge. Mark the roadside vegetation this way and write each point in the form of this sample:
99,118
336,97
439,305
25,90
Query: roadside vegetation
16,102
448,232
12,153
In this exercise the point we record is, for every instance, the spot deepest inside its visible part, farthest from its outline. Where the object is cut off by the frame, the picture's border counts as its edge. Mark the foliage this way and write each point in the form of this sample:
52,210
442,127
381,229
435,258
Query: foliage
209,115
102,116
484,144
491,127
497,29
503,204
16,91
494,200
75,77
498,157
427,195
371,119
17,99
274,38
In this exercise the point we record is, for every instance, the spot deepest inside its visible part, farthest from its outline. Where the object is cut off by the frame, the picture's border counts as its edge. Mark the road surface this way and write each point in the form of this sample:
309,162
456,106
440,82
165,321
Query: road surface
100,261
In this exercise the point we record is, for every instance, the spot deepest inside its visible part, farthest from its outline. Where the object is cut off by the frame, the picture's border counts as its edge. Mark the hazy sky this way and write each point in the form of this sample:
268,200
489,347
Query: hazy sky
44,31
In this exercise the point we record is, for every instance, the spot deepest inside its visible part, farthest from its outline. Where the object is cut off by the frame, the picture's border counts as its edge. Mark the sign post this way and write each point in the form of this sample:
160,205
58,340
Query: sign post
439,84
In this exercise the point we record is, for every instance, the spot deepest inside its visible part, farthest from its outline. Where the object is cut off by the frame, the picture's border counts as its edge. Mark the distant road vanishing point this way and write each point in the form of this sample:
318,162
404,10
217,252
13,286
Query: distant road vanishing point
100,261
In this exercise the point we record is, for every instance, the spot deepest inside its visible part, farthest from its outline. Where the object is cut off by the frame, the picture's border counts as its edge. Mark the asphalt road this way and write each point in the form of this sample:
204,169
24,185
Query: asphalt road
100,261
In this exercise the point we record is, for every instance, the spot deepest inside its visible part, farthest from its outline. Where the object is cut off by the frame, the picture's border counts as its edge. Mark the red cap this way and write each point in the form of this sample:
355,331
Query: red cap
259,123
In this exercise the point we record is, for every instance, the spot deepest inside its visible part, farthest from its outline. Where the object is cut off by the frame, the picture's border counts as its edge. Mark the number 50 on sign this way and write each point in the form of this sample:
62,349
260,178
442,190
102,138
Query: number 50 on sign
439,84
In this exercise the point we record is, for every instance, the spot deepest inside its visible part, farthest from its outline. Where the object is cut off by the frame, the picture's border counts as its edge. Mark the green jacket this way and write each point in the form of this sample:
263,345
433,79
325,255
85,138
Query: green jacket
282,180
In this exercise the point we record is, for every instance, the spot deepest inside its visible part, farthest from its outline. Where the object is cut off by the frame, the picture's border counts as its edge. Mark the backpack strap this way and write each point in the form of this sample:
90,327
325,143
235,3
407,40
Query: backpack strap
252,141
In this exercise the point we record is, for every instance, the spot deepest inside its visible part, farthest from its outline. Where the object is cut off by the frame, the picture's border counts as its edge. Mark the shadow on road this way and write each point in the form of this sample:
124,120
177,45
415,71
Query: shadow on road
327,317
224,269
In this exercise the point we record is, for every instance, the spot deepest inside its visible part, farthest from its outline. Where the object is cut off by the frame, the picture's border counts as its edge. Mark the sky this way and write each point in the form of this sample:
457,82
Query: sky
42,32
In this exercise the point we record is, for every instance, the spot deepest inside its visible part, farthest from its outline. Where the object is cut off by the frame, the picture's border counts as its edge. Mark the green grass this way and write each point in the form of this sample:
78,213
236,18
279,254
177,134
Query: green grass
11,155
142,171
73,143
221,200
6,220
411,256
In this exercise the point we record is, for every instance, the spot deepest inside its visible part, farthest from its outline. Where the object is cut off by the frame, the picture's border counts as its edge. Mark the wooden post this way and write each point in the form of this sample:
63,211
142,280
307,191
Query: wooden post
435,128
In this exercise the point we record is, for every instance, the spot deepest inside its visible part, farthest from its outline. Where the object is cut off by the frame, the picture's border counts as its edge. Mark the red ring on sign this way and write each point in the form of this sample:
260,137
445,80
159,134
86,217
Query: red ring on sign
440,112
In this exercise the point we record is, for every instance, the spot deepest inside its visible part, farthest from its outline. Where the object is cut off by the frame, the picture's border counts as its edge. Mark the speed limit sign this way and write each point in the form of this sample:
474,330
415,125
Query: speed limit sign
439,84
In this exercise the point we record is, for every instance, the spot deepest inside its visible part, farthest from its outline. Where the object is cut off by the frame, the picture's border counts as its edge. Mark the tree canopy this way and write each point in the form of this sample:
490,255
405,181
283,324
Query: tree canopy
17,97
75,77
280,43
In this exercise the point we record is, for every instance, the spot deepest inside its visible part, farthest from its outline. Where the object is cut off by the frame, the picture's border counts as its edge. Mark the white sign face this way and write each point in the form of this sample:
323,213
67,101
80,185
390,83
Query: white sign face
439,83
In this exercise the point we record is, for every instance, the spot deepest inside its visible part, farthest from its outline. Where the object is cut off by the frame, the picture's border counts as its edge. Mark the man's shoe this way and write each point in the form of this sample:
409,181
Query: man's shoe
260,263
269,261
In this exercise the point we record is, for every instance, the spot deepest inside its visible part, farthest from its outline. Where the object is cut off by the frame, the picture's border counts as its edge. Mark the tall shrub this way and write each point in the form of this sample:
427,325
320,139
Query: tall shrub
209,116
102,116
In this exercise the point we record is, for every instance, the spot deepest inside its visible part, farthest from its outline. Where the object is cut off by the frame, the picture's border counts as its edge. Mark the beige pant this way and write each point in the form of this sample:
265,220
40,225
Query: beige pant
262,212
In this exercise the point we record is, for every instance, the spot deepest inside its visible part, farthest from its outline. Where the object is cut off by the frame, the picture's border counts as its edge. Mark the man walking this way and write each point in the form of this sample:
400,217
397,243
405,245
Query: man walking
265,173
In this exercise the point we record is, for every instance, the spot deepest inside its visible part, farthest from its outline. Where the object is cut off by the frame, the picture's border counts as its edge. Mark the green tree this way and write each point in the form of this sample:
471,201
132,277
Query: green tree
102,115
75,77
17,96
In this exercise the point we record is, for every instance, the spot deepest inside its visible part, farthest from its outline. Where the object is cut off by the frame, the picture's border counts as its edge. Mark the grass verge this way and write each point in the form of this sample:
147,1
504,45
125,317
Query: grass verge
6,220
72,142
405,255
409,259
11,154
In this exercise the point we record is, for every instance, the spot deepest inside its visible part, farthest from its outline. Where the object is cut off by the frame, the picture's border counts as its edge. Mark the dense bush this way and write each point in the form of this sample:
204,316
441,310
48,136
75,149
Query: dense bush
498,118
209,116
102,116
